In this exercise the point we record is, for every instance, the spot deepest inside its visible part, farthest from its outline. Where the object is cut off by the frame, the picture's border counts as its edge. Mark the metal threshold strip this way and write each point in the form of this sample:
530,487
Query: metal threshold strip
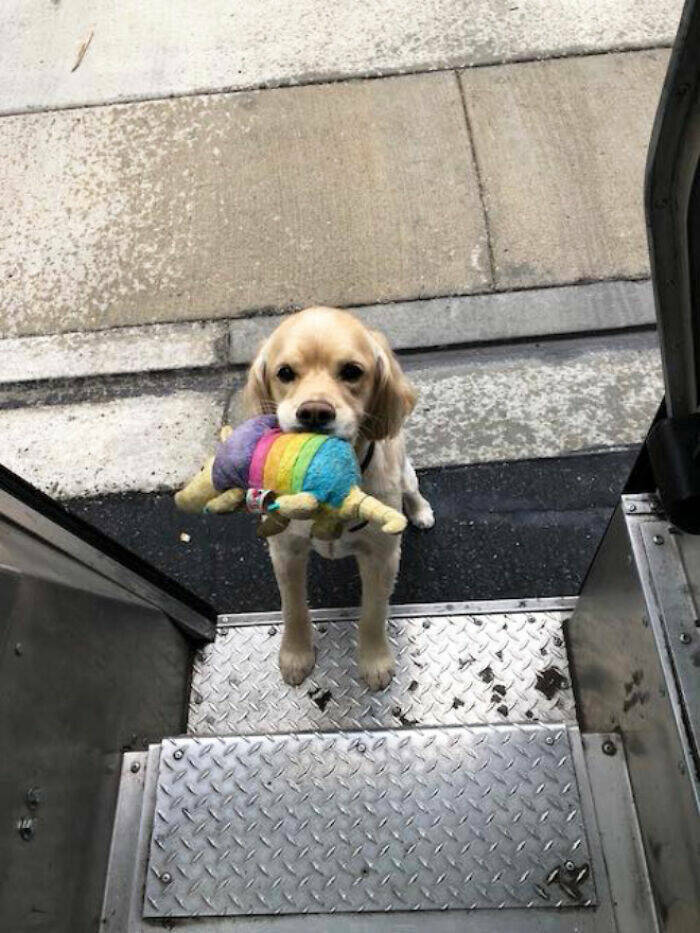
409,610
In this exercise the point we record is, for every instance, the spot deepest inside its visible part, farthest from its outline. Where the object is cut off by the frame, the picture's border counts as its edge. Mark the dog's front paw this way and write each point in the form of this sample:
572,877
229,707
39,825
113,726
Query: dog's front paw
377,668
296,664
421,516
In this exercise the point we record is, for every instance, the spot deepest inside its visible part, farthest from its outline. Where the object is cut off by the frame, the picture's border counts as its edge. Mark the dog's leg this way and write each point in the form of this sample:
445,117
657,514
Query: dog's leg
417,508
289,559
378,572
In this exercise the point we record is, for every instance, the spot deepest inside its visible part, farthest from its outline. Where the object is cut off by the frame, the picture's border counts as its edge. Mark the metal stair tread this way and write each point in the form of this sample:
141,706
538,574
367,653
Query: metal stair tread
430,818
454,669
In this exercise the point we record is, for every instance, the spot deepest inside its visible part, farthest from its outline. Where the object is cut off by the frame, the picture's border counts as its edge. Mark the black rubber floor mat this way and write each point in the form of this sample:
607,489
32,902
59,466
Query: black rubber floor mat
504,530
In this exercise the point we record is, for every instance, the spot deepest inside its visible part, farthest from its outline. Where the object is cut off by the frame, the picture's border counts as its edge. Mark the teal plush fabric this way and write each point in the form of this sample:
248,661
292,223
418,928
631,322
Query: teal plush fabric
332,472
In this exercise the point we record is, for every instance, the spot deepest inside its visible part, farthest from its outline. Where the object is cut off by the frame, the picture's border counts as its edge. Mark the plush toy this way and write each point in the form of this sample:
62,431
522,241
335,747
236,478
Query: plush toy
298,475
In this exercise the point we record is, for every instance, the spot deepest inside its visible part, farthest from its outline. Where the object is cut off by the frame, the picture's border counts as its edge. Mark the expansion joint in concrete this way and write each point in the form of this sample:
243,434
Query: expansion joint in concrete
479,179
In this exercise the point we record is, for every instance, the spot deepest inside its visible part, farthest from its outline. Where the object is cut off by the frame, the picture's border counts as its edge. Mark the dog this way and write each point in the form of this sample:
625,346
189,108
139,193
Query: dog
323,371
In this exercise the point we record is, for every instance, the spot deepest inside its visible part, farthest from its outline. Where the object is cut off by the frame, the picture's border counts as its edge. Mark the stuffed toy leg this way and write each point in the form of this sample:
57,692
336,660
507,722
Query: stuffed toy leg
357,505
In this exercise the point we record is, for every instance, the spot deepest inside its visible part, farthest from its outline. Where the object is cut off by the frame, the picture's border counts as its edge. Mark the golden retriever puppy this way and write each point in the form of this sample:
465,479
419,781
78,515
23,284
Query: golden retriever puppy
322,370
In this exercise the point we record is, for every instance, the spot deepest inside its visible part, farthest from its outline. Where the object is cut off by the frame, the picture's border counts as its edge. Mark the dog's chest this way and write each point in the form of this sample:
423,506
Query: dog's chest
348,544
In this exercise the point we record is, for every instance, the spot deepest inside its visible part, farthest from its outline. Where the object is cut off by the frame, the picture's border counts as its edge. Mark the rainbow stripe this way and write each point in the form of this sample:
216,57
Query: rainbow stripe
324,466
259,455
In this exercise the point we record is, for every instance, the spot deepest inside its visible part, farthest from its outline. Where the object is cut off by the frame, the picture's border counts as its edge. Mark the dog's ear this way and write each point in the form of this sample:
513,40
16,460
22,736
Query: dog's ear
257,393
393,396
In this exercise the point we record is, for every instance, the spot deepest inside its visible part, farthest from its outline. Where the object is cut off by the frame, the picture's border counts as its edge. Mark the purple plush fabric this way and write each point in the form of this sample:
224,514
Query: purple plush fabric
233,457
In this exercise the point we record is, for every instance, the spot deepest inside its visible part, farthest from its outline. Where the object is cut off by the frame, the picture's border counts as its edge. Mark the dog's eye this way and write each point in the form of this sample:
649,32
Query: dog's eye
350,372
286,374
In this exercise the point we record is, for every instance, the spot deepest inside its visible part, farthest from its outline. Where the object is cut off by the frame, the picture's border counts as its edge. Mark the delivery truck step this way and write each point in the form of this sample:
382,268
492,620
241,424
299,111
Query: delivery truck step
461,798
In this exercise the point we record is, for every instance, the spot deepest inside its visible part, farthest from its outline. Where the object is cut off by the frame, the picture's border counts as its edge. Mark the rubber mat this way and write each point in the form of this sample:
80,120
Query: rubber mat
538,521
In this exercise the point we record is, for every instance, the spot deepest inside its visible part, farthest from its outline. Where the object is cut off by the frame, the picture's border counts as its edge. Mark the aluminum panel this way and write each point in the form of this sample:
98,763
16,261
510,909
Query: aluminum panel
450,670
420,819
83,675
470,607
674,565
625,683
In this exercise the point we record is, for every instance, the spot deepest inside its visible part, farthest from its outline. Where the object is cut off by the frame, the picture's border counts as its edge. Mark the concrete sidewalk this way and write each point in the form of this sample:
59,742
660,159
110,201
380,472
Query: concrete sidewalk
165,48
148,246
345,194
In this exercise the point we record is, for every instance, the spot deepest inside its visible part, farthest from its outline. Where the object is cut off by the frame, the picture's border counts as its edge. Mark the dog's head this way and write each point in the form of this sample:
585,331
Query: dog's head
323,371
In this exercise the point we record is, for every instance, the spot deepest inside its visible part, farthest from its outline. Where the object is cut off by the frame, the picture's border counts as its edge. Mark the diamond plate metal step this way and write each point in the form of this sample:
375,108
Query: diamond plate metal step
622,883
416,819
459,667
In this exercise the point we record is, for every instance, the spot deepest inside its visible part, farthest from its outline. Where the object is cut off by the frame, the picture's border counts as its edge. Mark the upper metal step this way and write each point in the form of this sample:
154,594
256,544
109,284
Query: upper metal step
464,664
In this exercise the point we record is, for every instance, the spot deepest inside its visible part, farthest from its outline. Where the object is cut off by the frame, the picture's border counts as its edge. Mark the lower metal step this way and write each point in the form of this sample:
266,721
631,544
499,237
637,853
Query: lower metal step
419,819
622,894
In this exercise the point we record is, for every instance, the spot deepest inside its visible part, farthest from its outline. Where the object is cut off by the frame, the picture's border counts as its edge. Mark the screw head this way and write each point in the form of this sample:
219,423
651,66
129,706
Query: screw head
25,827
166,877
685,638
569,866
178,753
658,539
631,507
549,740
135,768
361,747
609,747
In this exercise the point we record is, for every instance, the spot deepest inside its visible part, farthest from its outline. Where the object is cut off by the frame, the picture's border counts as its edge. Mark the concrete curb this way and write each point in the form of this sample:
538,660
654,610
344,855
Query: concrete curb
146,348
409,325
490,318
475,405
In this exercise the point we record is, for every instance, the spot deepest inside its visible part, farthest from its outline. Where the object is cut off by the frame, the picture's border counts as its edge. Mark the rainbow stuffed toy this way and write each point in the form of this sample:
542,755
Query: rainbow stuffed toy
286,476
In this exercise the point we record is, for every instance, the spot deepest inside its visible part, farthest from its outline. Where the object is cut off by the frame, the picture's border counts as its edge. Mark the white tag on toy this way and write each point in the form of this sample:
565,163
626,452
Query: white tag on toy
258,501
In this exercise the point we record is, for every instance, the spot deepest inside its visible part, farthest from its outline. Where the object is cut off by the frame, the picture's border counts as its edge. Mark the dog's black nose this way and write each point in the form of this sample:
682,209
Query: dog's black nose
315,415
